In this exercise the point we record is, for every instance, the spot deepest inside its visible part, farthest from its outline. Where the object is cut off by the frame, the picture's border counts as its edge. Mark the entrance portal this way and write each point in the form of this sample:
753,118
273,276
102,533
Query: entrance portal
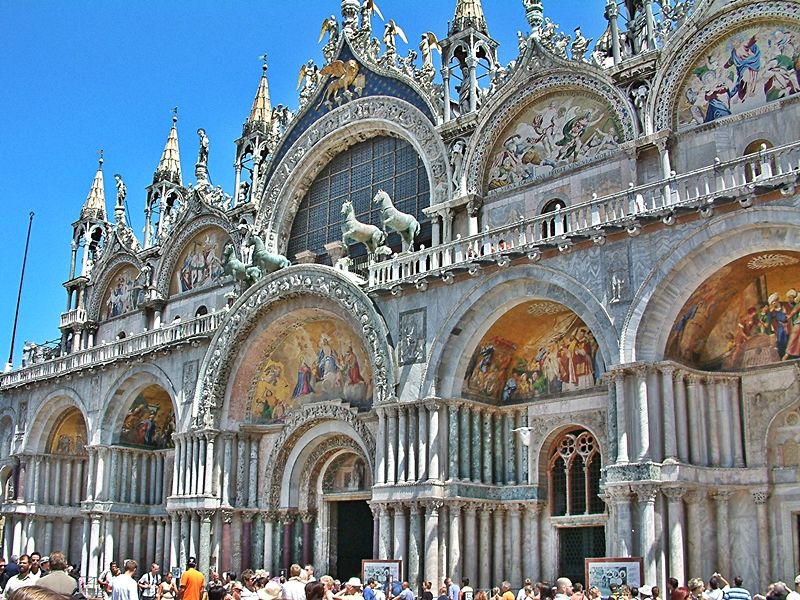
354,523
575,544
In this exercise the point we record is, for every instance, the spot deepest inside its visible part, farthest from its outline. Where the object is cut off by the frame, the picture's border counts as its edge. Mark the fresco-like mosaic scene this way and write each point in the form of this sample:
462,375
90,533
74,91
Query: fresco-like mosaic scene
557,130
200,263
124,294
753,66
312,361
746,314
536,349
69,436
150,421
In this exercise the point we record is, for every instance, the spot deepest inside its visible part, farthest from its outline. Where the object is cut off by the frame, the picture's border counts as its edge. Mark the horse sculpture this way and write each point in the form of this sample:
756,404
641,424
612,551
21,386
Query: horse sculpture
266,261
241,273
394,220
369,235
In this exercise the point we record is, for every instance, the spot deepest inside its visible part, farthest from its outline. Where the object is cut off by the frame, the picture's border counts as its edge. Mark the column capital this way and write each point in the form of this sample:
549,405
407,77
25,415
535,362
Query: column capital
617,494
207,515
721,496
455,507
307,517
286,517
534,508
694,496
674,493
414,508
486,508
514,509
470,508
760,495
432,506
227,516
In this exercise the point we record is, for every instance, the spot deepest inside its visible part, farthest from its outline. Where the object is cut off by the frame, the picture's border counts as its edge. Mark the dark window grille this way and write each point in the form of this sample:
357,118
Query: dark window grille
357,174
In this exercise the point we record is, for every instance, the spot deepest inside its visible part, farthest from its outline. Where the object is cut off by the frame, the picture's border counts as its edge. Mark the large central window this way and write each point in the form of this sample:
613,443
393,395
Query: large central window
380,163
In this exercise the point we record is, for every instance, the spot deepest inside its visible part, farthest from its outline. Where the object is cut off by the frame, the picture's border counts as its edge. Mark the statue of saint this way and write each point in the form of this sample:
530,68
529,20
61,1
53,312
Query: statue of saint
202,156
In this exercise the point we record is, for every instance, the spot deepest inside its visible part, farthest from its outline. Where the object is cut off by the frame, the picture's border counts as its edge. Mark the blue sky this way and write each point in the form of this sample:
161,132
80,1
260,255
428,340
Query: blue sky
80,75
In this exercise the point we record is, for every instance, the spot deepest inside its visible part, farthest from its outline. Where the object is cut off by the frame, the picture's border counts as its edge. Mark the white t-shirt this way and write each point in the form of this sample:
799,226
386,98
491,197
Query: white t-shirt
16,582
124,588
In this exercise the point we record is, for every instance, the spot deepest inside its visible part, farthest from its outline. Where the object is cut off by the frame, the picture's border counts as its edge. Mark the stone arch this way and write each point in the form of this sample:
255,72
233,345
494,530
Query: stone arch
303,431
669,285
317,463
6,433
488,300
123,391
339,129
104,278
303,280
49,413
176,243
507,107
685,49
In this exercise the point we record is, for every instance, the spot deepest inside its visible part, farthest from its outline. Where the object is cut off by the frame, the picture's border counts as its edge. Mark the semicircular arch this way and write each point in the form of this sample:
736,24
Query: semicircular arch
50,411
339,129
666,289
488,300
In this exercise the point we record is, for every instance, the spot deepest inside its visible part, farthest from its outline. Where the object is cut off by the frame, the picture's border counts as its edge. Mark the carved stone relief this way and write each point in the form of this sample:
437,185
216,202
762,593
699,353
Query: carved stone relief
413,335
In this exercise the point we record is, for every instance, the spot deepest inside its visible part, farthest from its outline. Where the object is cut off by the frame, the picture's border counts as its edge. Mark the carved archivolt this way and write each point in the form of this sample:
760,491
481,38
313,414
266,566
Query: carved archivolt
283,285
344,126
298,424
101,283
683,55
173,248
564,81
312,469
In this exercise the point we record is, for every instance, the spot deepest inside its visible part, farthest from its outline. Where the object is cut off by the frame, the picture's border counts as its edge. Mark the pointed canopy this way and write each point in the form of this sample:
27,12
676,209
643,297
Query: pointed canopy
94,208
169,167
261,113
469,13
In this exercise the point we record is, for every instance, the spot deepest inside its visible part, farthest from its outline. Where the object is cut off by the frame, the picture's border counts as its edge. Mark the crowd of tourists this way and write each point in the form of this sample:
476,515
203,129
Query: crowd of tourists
36,577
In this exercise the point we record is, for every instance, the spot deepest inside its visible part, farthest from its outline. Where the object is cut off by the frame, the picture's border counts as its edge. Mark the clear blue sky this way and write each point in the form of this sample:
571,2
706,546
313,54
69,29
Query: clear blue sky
80,75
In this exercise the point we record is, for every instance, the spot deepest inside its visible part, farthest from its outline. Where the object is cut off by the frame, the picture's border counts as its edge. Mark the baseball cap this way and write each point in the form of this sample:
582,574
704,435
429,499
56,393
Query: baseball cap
192,562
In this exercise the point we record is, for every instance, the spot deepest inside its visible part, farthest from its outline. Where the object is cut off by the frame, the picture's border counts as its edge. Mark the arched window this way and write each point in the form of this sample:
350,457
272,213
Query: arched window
121,335
202,310
379,163
759,166
554,226
574,475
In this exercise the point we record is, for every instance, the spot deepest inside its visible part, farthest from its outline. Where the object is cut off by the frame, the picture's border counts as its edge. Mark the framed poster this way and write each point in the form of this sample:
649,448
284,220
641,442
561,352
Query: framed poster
385,572
603,572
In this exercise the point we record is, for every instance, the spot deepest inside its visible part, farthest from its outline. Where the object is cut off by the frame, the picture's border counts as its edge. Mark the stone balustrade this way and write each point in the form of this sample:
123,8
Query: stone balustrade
628,209
135,345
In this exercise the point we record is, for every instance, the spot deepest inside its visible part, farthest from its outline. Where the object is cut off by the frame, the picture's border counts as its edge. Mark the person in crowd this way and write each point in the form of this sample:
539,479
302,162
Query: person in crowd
563,588
697,589
577,592
124,586
192,582
328,581
149,582
57,579
216,591
794,594
427,593
35,592
309,570
167,590
21,579
452,589
717,586
352,590
443,593
295,587
36,567
315,590
594,593
106,578
406,593
44,565
248,591
738,592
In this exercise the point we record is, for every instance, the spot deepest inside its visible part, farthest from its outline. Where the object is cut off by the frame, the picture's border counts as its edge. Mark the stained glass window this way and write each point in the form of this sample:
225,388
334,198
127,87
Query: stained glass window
380,163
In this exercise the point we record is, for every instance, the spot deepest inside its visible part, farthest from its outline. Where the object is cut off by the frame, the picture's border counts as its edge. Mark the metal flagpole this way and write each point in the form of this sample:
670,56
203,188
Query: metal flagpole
10,362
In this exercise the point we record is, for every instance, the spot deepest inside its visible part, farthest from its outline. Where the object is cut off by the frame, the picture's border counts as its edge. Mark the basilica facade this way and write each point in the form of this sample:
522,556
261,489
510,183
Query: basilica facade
488,320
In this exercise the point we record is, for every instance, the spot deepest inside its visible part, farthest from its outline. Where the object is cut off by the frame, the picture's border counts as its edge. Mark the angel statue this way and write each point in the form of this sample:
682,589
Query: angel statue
331,27
428,43
579,45
309,73
390,31
364,35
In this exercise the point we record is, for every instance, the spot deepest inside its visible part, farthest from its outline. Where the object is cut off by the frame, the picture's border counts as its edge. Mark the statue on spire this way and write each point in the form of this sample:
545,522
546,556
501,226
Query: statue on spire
202,155
119,208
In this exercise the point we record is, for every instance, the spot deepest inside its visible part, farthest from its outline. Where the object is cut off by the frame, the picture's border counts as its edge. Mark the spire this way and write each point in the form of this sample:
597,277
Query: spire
469,13
261,113
169,167
95,206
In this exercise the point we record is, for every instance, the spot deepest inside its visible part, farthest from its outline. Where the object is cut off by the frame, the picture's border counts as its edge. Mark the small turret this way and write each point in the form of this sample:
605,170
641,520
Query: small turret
261,130
469,54
95,206
165,194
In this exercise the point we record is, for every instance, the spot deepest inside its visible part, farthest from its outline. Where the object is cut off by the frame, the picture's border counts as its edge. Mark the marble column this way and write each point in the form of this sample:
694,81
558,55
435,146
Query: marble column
677,521
642,416
694,398
432,538
91,467
721,500
510,443
681,418
466,446
415,547
499,446
713,412
380,448
227,468
618,378
186,525
434,446
225,558
66,528
622,506
125,483
386,532
736,416
498,559
93,554
287,520
269,533
259,528
646,495
413,437
486,447
176,464
476,444
423,450
160,530
391,445
515,537
471,546
482,544
138,534
210,485
694,544
454,545
453,445
175,541
48,533
400,533
760,497
402,444
725,423
668,403
252,497
241,468
204,554
532,559
114,491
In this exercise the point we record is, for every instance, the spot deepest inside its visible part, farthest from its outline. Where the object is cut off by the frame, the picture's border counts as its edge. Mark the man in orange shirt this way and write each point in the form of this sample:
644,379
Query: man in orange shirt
192,582
507,593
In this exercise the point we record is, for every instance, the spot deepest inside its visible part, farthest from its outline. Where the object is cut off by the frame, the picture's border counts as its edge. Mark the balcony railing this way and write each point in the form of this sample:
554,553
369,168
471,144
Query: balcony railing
698,189
134,345
71,317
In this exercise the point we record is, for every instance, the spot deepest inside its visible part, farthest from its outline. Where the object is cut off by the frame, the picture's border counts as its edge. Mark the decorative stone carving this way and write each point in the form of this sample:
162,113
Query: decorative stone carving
413,336
313,466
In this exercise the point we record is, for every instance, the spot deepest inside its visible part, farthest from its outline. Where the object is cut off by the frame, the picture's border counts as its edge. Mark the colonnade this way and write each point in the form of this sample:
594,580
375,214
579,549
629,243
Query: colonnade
27,533
51,479
664,413
450,441
107,464
485,541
